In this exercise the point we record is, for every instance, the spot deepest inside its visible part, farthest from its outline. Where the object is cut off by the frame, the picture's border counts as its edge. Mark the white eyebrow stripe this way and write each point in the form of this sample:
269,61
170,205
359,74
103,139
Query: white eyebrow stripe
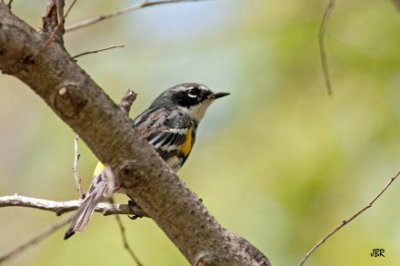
182,88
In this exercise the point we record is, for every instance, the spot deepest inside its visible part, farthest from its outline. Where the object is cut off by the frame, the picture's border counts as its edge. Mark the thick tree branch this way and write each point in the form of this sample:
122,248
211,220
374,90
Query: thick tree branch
108,132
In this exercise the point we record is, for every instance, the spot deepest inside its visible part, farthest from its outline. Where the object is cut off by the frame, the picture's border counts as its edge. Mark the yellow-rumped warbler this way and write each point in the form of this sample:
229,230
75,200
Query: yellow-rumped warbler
169,125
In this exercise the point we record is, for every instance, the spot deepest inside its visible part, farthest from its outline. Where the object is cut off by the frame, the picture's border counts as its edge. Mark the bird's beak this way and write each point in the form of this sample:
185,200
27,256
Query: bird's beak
219,95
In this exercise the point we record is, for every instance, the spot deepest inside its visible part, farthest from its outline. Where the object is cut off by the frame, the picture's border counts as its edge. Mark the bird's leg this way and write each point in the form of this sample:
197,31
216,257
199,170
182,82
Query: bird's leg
135,208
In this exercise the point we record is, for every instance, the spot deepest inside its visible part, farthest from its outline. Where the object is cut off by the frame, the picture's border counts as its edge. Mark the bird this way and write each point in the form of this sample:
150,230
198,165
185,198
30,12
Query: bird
169,125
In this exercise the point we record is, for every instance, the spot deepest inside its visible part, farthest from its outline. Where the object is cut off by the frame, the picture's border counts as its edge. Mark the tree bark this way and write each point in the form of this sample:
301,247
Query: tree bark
108,131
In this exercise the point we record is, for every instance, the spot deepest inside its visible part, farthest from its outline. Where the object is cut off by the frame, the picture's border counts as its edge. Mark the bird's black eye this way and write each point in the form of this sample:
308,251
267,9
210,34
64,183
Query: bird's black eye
193,92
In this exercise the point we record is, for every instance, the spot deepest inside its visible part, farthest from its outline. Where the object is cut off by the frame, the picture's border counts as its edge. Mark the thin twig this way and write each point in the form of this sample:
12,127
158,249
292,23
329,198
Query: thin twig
60,11
61,207
69,9
35,240
345,222
75,167
143,4
321,41
124,238
125,241
97,51
48,41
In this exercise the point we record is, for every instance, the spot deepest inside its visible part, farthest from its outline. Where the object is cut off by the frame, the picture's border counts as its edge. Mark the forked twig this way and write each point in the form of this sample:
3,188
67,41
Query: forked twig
58,29
53,21
345,222
35,240
97,51
321,41
143,4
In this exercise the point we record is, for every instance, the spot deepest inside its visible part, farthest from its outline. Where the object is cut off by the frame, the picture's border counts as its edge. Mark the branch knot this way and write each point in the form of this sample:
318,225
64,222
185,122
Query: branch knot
68,101
129,174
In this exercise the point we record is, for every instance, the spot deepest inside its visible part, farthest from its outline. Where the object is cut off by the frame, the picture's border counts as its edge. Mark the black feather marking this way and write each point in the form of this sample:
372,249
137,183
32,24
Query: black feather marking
69,233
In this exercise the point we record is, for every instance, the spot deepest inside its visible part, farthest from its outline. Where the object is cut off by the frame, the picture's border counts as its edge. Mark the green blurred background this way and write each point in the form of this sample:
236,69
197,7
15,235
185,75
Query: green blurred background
279,161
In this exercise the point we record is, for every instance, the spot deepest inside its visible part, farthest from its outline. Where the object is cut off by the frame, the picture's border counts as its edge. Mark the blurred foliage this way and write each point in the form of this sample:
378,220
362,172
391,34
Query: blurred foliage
278,162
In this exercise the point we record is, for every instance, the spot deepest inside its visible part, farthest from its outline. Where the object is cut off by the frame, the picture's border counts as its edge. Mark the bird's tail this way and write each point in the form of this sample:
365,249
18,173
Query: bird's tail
102,185
82,216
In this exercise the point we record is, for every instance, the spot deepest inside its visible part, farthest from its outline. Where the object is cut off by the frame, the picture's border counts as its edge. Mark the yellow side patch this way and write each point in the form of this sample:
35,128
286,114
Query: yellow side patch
99,169
187,147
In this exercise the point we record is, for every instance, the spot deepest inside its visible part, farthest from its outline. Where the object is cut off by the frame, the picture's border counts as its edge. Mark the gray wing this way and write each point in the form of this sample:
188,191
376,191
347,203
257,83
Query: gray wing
166,130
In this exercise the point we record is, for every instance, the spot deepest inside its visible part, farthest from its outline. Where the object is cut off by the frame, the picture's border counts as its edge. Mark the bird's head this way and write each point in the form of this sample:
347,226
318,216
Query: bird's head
192,98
